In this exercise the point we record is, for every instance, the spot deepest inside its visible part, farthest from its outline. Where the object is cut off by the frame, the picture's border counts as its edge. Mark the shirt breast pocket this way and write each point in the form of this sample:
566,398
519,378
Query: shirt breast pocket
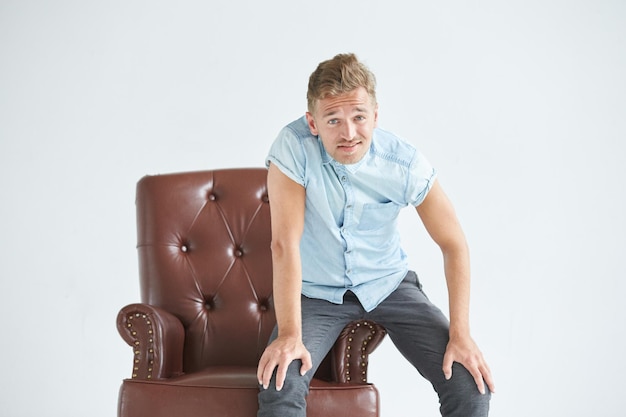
378,215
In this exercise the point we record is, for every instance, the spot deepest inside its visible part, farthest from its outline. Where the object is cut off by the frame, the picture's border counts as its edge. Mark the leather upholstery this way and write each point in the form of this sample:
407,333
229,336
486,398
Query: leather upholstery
207,309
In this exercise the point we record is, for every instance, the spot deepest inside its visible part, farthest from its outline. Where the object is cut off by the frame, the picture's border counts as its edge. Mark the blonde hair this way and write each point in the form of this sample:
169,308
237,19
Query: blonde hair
339,75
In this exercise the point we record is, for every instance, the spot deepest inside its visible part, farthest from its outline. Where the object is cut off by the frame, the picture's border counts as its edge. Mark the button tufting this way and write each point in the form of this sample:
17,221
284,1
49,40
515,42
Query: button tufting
184,248
212,197
265,198
238,252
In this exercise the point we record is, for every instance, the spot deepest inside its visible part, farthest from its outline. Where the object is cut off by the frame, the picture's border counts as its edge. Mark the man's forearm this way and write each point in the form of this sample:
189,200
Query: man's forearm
287,293
457,271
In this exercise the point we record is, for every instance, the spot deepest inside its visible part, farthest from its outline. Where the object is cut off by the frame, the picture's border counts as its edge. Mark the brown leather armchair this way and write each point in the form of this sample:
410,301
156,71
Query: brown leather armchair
207,312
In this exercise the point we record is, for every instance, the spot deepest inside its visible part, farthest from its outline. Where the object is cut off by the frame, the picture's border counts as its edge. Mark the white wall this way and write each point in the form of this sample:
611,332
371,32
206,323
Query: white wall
520,105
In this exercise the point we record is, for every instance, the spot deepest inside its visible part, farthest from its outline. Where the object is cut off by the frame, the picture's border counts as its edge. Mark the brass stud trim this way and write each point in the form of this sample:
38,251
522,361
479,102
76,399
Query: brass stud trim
143,353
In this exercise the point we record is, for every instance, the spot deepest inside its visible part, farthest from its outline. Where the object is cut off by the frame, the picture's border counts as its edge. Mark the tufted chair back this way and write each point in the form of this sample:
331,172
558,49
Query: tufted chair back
204,256
206,310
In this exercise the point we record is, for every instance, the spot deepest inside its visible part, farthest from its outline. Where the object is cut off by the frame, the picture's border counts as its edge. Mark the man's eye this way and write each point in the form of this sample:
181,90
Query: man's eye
359,118
333,121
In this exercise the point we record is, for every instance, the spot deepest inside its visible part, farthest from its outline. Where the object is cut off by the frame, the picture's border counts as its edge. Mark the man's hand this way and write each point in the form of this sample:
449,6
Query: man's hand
280,353
465,351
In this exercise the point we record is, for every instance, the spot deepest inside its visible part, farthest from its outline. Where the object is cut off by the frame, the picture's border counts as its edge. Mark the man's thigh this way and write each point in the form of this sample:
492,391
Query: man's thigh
416,326
322,322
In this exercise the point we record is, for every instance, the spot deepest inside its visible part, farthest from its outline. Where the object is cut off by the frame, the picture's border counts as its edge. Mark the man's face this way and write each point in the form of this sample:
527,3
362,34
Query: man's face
345,124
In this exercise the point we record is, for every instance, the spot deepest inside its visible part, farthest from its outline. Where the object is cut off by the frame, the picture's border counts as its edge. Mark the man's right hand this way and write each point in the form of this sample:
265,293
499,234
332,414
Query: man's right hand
279,354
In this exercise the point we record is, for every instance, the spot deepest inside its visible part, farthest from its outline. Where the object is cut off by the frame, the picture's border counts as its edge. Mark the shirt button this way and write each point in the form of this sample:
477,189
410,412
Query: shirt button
343,178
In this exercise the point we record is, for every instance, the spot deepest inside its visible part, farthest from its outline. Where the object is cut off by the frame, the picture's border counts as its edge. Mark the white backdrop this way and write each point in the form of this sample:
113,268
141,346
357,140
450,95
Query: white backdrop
519,104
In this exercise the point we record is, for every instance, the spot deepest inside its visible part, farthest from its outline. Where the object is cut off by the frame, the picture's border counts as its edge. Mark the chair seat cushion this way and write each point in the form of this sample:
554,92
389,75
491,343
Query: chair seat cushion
232,391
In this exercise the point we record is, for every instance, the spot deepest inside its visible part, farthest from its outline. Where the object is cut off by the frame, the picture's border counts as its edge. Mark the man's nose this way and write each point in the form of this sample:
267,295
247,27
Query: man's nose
349,131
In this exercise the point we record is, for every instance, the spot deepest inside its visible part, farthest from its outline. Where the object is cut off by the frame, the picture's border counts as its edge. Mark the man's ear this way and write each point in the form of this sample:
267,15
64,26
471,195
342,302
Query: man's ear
311,122
376,115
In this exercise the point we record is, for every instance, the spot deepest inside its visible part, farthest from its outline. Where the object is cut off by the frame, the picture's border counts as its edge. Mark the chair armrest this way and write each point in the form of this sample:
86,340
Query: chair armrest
157,338
350,354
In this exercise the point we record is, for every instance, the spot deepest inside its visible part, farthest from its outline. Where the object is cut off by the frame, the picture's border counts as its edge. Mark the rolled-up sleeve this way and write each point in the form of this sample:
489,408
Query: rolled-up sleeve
421,177
288,155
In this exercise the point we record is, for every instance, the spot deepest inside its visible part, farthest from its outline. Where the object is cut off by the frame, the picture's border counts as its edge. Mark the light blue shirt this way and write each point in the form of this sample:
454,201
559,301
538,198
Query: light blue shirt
350,239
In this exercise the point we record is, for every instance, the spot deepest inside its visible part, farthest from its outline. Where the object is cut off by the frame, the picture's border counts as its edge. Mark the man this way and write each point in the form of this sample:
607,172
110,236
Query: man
336,184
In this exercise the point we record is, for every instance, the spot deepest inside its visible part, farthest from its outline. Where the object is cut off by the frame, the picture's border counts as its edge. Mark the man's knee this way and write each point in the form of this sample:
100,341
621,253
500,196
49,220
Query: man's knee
290,400
460,396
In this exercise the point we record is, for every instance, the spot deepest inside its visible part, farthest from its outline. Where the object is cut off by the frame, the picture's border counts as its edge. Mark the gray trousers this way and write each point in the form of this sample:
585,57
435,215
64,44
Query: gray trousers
416,327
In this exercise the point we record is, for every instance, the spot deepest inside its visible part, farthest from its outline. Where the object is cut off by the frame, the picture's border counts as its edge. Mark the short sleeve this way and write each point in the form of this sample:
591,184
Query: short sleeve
288,155
422,175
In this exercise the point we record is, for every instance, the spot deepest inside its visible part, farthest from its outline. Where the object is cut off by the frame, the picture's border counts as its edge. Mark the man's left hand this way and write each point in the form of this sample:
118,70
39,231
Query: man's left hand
465,351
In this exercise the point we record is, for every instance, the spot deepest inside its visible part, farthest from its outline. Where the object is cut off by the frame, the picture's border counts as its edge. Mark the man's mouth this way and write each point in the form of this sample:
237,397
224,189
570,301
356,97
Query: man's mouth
349,146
